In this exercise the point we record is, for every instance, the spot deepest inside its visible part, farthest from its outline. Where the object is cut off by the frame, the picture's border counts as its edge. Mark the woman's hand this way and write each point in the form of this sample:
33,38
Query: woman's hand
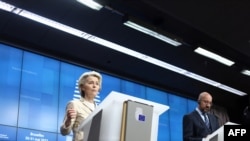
71,114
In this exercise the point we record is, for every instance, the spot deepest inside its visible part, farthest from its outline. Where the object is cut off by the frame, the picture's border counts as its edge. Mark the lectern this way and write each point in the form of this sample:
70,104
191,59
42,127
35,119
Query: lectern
121,117
218,135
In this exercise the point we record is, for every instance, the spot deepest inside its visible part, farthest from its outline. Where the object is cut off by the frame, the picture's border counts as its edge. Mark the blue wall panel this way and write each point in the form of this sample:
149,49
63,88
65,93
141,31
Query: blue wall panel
35,89
10,76
38,107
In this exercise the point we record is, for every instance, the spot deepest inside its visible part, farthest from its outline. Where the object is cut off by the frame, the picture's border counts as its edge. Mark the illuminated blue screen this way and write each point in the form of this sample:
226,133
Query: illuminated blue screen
34,135
10,76
35,89
7,133
178,109
38,107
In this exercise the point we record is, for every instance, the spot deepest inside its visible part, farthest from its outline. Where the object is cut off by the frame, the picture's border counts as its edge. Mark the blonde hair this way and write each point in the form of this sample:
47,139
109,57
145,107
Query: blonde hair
82,79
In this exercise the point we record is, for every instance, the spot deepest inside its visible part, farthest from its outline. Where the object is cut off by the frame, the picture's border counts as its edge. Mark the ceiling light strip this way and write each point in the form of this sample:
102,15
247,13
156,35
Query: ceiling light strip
214,56
91,4
246,72
152,33
114,46
5,6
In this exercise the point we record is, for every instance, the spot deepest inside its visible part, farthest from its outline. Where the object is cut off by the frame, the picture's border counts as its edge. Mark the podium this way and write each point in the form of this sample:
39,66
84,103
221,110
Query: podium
120,117
218,135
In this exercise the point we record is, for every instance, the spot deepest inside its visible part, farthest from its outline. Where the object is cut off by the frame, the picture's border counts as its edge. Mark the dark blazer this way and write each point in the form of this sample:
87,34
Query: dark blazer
194,128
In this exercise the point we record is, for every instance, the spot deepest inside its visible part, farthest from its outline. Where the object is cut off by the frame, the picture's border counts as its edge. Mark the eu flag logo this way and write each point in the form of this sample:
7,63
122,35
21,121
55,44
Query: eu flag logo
141,117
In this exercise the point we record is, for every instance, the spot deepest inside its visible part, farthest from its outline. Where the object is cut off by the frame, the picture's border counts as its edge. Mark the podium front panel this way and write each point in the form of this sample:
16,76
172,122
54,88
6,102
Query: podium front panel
136,121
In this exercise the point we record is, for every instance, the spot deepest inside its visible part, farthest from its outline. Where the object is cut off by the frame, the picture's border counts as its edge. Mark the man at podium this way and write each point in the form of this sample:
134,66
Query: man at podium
200,123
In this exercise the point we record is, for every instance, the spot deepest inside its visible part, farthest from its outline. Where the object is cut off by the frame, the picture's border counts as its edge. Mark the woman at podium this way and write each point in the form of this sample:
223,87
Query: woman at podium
77,110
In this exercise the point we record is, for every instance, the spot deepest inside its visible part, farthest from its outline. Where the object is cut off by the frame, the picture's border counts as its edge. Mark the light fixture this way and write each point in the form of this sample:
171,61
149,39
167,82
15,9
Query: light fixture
246,72
5,6
213,56
114,46
91,4
152,33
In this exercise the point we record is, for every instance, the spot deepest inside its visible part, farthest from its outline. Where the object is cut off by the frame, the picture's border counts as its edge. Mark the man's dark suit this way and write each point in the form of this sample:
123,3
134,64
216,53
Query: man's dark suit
194,128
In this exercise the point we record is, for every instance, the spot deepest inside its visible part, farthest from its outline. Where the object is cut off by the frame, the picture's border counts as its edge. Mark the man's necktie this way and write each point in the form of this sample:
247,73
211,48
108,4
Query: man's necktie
206,120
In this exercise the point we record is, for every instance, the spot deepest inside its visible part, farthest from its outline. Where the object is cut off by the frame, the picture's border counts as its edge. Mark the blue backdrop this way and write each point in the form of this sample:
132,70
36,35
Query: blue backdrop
34,90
